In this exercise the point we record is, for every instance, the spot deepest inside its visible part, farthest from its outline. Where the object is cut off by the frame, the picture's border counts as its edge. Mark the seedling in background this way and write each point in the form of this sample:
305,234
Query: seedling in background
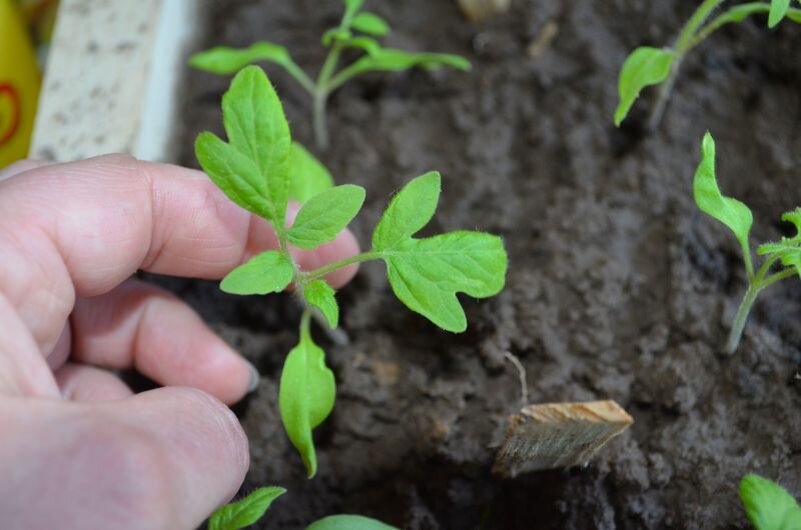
257,170
248,511
648,66
737,216
223,60
768,505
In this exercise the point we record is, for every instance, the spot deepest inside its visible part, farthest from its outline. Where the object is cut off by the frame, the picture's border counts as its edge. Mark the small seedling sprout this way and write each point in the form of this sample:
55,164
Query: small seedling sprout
737,216
259,170
647,66
223,60
768,505
249,510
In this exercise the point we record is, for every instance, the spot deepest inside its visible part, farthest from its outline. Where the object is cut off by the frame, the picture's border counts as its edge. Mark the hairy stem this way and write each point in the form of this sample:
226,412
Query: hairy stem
331,267
739,321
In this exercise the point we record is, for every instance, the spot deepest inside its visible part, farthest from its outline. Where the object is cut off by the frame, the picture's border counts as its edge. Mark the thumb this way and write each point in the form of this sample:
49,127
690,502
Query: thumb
163,459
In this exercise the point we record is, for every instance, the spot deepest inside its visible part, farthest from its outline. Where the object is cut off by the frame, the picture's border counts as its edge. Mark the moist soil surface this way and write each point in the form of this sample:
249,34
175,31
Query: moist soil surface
618,287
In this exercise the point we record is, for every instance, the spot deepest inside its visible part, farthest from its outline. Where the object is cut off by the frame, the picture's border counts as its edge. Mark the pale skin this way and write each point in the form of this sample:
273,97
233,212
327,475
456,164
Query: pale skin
78,449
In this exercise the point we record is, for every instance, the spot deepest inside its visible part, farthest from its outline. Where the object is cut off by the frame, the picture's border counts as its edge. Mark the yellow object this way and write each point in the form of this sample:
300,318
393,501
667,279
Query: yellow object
19,85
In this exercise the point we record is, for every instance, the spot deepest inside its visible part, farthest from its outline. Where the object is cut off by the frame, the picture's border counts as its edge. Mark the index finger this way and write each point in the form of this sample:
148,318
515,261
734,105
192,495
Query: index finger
82,228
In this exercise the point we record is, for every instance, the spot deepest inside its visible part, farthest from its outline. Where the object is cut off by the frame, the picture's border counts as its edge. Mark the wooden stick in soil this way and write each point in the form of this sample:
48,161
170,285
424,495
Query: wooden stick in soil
558,435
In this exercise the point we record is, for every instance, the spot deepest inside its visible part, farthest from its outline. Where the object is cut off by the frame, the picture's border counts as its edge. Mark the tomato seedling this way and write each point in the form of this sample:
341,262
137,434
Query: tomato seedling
648,66
248,511
768,505
737,216
354,32
259,168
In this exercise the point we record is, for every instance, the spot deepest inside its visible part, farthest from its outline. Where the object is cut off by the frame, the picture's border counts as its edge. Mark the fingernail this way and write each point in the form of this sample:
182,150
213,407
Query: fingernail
255,378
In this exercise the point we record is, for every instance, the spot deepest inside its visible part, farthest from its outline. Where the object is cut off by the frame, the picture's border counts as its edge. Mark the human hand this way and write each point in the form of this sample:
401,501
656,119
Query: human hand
78,450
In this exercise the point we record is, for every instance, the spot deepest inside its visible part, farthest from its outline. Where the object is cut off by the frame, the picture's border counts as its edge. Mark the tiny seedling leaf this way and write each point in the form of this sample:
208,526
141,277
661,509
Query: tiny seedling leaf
768,505
644,67
245,512
731,212
389,59
371,24
223,60
252,168
305,397
325,215
425,274
308,176
322,296
335,34
348,522
778,9
268,272
789,248
368,44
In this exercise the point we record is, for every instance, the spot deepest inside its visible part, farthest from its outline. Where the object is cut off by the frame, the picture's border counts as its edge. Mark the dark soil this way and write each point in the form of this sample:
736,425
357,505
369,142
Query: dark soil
617,288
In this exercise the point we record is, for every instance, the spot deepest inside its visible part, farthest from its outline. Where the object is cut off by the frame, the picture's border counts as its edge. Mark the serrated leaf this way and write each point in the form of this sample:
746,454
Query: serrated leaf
268,272
223,60
778,9
409,211
305,397
322,296
308,176
426,274
245,512
370,23
349,522
325,215
789,248
731,212
252,170
645,66
768,505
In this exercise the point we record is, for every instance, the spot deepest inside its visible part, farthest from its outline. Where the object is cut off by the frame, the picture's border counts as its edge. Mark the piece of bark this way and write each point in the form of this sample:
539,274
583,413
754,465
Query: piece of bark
558,435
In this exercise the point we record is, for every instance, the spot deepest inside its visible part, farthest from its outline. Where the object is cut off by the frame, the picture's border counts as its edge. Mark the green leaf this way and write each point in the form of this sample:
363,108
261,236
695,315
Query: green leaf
368,44
426,274
789,248
389,59
731,212
322,296
245,512
644,67
778,9
409,211
768,505
349,522
308,176
335,34
223,60
371,24
252,169
268,272
325,215
306,396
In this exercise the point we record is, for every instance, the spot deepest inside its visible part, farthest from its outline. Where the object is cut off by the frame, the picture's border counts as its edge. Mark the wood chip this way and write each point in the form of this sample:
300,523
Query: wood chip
558,435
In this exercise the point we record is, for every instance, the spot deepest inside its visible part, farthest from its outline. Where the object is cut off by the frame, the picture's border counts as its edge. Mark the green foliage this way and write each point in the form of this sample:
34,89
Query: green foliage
349,522
322,296
254,170
308,176
731,212
768,505
306,395
738,218
268,272
425,274
325,215
644,67
245,512
647,66
223,60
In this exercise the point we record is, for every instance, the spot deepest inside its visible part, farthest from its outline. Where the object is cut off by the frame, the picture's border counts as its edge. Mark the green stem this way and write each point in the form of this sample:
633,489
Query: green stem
305,323
684,42
331,267
770,280
319,119
739,321
300,76
749,265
